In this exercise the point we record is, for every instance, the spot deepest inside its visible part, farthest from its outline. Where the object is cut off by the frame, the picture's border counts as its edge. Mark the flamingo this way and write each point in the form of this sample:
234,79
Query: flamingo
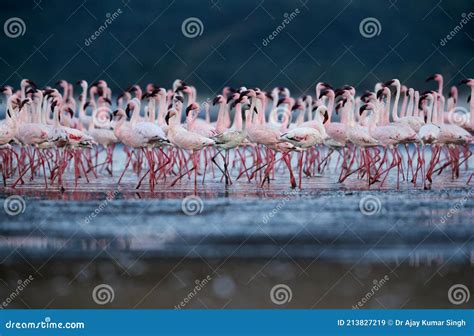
185,139
470,124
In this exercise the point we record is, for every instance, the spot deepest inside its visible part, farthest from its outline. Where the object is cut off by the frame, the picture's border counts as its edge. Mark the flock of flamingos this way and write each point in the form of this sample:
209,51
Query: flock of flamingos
257,136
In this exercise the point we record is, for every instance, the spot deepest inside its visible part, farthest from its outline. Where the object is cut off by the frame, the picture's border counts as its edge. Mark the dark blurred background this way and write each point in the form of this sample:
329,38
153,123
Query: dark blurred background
323,42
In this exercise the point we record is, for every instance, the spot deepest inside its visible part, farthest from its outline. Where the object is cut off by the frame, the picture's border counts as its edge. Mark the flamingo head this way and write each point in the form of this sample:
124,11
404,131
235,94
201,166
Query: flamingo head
368,106
298,106
467,81
7,89
26,101
192,107
118,114
171,113
62,83
326,92
219,99
323,111
26,82
435,77
367,96
129,107
178,99
286,100
82,83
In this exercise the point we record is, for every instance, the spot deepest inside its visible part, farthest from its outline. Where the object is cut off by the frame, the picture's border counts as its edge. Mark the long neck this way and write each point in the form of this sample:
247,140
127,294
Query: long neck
403,109
22,91
261,112
409,111
350,111
330,107
439,119
471,106
119,125
226,116
252,107
395,104
94,118
161,110
10,108
65,92
56,116
136,112
82,112
208,116
416,112
309,106
151,110
238,117
220,124
300,118
429,113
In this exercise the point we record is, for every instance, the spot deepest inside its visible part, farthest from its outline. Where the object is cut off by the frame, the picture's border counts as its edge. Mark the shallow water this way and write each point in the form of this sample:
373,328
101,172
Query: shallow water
328,241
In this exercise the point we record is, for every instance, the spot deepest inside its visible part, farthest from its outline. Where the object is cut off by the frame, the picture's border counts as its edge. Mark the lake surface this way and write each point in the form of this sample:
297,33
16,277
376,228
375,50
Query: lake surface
328,242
